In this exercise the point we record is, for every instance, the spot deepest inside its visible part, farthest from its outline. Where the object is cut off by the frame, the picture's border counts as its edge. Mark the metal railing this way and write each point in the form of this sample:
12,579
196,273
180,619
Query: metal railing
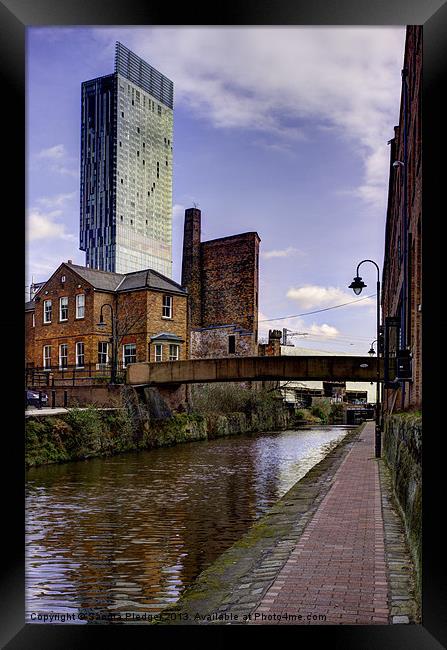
91,374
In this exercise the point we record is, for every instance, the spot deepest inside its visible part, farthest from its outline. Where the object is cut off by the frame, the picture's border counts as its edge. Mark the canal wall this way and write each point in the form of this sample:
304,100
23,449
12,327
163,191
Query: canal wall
79,434
402,451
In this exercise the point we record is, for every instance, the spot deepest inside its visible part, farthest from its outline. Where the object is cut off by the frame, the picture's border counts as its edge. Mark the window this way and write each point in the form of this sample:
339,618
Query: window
80,354
47,357
63,308
63,279
167,307
34,321
47,311
174,350
103,353
63,355
231,344
158,352
80,305
129,353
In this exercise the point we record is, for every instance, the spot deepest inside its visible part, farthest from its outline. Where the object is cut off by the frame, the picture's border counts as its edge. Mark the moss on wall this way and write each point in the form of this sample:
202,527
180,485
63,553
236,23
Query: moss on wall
402,450
86,433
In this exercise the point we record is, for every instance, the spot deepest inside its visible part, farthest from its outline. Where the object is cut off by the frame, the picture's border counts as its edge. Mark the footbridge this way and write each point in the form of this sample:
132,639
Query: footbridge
323,368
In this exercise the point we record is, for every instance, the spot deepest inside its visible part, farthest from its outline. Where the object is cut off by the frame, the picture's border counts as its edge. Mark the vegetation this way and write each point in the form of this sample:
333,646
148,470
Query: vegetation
233,398
322,413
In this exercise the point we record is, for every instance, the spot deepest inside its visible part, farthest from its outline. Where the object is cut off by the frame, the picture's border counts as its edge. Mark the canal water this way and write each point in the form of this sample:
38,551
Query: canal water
129,533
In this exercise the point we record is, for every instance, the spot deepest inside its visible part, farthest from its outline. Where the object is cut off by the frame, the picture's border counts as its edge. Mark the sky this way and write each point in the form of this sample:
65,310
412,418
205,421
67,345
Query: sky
278,130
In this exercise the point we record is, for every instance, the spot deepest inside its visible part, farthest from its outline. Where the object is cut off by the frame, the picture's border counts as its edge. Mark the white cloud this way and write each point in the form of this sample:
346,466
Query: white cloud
325,330
269,79
57,200
312,296
178,211
43,226
286,252
53,153
57,160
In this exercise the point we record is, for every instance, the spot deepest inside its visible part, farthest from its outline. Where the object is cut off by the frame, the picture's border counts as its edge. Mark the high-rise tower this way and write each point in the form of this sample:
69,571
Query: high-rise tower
126,168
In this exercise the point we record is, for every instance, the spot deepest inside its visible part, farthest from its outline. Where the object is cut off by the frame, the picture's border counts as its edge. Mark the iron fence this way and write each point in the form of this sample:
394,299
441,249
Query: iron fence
91,374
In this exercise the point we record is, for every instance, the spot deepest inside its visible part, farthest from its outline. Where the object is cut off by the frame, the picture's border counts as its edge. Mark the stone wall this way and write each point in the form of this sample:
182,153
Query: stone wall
213,342
402,450
81,434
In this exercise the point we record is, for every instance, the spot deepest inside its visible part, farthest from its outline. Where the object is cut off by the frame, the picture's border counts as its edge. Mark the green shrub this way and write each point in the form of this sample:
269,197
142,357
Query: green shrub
86,433
321,411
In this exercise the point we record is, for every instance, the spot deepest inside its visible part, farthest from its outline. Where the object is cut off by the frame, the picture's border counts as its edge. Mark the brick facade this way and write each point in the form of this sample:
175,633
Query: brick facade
402,271
138,312
222,279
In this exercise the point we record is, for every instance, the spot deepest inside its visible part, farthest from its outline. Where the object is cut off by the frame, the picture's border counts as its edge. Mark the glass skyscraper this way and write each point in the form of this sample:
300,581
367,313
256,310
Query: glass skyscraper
126,168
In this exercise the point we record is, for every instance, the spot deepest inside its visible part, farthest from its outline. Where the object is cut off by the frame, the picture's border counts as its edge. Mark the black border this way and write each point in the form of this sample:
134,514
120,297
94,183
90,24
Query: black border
15,16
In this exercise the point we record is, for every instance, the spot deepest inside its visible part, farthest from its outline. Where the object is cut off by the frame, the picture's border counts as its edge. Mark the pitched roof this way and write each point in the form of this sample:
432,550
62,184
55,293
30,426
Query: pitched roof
30,305
167,336
108,281
99,279
151,279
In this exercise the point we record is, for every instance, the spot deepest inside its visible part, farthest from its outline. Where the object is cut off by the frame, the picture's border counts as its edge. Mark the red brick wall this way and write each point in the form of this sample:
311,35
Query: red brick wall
144,304
29,338
393,272
222,277
230,281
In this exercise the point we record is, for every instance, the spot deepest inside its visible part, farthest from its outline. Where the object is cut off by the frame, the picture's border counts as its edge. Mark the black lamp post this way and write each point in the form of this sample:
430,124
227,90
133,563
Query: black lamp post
371,351
114,339
357,285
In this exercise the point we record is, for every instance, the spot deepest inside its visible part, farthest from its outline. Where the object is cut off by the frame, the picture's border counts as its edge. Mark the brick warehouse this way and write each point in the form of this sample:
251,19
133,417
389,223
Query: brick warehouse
402,270
62,321
222,279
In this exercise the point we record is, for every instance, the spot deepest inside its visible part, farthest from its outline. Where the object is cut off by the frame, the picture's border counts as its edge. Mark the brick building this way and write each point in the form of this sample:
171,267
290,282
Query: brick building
62,321
402,270
222,279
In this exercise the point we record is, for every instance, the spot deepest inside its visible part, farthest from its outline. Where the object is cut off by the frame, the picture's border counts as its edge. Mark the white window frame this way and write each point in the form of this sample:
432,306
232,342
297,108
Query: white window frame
100,365
167,307
47,312
63,357
46,358
80,307
34,320
78,354
177,352
62,320
158,352
127,345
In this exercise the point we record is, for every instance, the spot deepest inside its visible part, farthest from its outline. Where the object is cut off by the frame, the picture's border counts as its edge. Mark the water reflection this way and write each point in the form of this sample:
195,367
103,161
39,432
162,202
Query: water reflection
129,533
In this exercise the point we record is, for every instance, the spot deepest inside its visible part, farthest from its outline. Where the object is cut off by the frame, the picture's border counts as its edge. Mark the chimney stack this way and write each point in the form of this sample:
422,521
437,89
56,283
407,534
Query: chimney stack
191,264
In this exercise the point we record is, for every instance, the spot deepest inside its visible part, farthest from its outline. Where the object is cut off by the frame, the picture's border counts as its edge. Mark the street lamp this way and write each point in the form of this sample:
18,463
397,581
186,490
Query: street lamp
371,351
102,324
357,285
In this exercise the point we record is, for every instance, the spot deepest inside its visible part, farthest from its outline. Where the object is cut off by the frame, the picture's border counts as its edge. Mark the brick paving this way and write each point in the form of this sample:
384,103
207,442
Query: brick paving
337,572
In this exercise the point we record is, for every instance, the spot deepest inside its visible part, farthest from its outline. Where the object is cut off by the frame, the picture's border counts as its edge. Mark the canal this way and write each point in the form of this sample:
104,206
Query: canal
130,532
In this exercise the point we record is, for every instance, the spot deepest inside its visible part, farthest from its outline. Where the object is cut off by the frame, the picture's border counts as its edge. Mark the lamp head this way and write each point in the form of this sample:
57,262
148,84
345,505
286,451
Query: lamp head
371,352
357,285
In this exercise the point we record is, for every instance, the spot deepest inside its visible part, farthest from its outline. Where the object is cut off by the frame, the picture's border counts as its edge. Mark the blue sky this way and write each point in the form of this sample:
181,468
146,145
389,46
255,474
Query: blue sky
280,130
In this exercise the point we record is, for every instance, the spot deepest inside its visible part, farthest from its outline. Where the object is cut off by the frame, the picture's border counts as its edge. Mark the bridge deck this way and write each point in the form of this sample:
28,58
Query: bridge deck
330,368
